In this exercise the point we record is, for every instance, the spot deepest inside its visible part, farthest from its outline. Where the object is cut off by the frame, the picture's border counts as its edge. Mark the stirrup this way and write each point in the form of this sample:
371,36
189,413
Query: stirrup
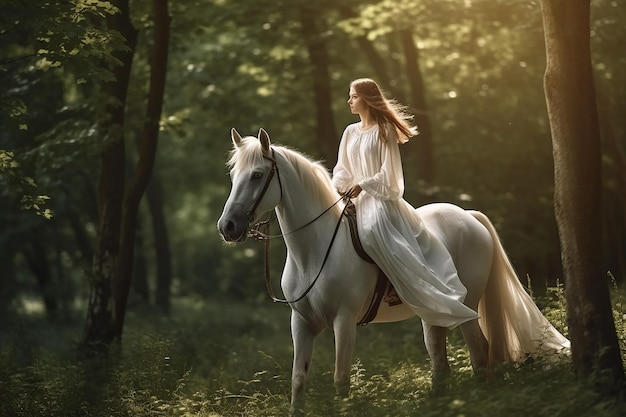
392,298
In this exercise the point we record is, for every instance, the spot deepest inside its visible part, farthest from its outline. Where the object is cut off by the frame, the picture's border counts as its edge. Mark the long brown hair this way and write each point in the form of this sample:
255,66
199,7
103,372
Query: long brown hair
384,110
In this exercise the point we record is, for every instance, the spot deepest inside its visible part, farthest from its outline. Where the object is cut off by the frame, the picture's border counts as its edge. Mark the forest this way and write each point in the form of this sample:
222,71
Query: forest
118,297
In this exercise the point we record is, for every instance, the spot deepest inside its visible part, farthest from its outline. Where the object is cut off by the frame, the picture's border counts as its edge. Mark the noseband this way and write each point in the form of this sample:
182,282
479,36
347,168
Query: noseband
274,170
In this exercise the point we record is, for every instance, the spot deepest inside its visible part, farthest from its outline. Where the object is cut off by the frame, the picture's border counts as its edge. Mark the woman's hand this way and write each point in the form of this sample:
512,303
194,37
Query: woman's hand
354,191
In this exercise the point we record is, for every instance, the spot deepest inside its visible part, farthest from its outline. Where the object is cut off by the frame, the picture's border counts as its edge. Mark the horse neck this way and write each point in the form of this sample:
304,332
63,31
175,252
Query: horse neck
297,208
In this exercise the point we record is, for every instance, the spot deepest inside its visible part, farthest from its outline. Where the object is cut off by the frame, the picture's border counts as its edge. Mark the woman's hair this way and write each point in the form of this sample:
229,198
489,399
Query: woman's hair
384,110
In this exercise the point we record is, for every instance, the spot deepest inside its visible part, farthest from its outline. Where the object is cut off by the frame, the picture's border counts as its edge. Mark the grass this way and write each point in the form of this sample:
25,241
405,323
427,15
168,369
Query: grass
212,358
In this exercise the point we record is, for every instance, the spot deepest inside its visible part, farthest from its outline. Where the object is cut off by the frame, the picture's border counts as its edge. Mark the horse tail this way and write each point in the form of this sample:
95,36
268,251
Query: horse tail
509,318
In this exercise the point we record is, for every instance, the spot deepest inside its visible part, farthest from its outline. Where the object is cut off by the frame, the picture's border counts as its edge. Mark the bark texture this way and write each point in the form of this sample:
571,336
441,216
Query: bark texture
571,103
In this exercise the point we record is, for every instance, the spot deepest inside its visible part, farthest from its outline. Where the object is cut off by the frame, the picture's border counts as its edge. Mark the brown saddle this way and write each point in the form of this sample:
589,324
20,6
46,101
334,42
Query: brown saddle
384,290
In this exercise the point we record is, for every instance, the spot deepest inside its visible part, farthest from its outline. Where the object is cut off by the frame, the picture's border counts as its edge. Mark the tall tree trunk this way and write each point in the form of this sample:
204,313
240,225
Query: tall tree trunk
99,322
327,138
40,267
571,103
113,260
7,279
141,288
373,56
615,192
423,146
80,236
161,244
145,165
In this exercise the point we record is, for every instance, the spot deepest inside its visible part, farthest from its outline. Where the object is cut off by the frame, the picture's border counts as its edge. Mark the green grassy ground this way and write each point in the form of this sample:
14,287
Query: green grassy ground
224,359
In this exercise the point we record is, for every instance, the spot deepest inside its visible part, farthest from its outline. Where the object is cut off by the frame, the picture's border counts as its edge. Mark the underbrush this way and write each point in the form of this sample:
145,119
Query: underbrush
221,359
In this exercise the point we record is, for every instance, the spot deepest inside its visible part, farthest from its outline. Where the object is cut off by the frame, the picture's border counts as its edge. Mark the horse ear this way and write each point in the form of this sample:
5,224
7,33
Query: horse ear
265,140
236,137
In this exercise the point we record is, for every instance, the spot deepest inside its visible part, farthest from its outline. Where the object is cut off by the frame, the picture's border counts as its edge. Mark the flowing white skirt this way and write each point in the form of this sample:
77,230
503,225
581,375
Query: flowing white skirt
417,264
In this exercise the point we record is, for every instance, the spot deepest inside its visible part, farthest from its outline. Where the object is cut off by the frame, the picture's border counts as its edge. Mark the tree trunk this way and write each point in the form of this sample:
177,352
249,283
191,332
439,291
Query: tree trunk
40,267
570,98
327,139
113,260
7,280
423,144
98,324
141,288
143,171
80,235
161,244
373,57
615,192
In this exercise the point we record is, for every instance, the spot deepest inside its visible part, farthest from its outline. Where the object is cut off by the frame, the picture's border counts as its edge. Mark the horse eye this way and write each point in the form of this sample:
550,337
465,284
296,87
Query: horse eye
257,175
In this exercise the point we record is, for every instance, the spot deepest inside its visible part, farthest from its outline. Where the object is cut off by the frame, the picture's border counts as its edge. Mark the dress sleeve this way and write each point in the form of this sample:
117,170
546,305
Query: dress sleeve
342,173
388,182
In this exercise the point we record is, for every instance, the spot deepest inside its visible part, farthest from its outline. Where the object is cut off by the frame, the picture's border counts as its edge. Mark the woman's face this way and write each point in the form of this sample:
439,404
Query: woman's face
356,102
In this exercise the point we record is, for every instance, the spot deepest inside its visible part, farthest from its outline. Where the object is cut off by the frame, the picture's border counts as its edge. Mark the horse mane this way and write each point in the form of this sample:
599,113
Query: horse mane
313,174
246,154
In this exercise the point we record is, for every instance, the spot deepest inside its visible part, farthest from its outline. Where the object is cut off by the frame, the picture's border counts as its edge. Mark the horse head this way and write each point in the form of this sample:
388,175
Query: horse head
255,189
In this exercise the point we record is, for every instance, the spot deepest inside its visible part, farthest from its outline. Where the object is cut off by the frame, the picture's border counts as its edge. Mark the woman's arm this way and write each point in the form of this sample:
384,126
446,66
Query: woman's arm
388,182
342,174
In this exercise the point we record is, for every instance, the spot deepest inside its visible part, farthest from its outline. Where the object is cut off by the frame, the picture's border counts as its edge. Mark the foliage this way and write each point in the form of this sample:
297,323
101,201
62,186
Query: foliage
44,42
223,359
22,185
60,34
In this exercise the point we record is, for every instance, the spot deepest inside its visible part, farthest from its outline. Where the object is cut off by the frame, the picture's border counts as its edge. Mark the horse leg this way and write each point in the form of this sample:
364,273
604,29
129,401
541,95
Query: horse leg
345,339
435,340
303,340
477,345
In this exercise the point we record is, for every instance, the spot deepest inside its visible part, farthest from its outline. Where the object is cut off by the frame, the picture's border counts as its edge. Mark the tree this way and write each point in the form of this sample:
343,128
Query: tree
50,53
571,102
21,185
118,201
424,150
161,244
318,57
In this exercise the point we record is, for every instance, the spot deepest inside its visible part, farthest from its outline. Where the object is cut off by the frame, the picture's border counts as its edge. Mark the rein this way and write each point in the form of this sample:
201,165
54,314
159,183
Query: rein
265,237
257,234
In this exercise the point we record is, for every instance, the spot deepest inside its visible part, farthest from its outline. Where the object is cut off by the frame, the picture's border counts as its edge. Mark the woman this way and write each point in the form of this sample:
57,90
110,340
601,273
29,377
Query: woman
369,170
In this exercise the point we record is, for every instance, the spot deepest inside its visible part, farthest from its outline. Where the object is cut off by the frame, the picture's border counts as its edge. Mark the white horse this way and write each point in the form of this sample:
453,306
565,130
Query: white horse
333,288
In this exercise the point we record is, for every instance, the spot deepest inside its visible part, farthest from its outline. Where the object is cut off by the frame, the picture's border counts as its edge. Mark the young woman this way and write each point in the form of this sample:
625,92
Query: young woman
369,170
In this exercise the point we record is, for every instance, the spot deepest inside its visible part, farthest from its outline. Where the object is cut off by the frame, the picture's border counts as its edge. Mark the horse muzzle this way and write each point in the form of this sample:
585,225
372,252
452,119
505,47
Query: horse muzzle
233,229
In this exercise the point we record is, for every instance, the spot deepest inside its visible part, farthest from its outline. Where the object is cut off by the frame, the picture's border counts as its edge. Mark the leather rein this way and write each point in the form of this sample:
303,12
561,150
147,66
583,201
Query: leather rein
257,234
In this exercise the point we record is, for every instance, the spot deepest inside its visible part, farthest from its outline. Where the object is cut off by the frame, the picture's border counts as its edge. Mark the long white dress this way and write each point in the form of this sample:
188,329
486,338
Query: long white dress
393,234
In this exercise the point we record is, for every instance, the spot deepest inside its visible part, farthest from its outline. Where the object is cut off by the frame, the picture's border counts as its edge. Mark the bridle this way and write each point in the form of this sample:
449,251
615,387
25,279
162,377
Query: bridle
274,170
257,234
